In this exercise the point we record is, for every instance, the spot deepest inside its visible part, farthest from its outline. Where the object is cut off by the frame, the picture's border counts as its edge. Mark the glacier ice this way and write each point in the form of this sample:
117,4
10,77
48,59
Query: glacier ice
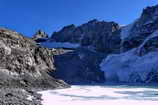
129,66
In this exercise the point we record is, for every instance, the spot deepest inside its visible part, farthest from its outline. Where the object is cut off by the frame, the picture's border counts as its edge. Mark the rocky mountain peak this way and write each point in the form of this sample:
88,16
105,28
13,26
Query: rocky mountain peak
93,33
94,21
141,28
69,27
40,34
151,11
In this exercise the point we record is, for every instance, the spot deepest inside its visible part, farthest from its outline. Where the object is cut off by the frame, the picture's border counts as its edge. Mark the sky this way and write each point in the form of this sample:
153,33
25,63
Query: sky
27,16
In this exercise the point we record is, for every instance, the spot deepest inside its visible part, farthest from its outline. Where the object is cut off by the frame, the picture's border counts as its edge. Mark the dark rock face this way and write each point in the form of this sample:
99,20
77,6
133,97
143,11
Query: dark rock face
94,33
23,63
149,46
142,28
79,67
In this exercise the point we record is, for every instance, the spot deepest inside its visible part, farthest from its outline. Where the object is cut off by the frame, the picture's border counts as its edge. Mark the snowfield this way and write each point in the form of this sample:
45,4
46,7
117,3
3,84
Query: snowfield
101,95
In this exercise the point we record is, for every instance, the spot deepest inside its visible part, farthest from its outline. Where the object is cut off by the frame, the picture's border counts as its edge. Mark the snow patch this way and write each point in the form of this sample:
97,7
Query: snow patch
123,66
153,35
125,31
49,44
30,98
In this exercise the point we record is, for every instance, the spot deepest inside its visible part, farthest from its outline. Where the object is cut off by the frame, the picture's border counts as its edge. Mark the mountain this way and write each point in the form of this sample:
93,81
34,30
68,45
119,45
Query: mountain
40,34
85,46
124,53
137,61
95,34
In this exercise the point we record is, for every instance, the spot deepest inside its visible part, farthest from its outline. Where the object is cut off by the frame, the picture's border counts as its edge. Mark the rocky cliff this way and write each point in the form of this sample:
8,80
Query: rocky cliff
79,66
89,44
95,34
24,64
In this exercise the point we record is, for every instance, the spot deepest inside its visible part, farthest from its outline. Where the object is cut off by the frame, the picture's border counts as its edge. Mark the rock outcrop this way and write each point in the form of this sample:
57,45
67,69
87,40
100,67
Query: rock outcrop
40,36
24,64
18,96
102,36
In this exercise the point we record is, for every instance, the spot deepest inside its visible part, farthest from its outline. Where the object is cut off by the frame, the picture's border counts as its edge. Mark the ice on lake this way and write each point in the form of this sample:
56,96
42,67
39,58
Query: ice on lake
101,95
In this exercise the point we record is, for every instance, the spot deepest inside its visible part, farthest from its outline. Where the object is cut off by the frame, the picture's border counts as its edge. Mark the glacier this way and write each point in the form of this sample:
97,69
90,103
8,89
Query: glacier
130,66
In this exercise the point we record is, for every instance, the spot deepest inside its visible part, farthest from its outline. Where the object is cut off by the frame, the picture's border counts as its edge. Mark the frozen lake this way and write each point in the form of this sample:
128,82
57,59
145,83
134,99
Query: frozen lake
101,95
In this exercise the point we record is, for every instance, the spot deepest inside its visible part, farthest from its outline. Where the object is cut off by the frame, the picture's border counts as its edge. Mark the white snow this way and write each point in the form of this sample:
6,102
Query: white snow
30,97
50,44
125,31
121,66
100,95
153,35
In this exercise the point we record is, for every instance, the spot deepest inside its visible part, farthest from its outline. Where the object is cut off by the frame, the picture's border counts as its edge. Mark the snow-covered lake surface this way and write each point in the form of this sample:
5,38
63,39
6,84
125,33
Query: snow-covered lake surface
101,95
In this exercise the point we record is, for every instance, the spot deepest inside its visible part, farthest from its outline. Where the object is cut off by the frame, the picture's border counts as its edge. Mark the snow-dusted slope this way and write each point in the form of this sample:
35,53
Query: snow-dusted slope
129,66
153,35
125,31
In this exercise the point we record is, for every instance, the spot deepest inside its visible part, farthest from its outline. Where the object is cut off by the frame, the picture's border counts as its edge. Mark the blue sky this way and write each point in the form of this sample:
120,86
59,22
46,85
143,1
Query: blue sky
27,16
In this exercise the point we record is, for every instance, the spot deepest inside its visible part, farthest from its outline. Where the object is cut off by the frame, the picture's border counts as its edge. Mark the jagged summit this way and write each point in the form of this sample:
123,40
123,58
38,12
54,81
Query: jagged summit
93,33
40,34
135,33
150,11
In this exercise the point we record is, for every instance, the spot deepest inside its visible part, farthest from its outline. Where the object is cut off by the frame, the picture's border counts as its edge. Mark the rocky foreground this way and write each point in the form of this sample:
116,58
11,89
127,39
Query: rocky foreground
24,66
19,96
